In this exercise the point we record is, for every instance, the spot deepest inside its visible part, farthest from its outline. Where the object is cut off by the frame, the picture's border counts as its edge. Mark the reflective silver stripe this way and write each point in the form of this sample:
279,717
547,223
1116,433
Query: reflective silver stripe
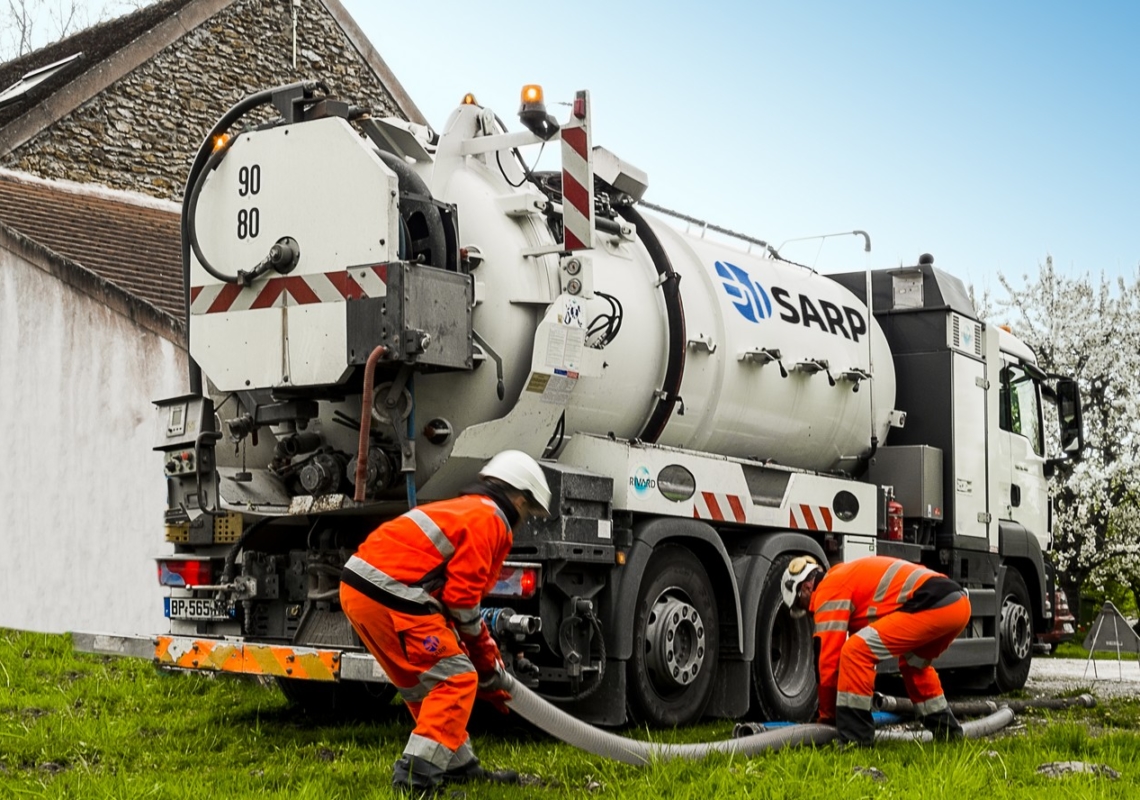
498,512
872,613
834,625
852,700
465,615
931,706
473,628
874,643
443,669
916,662
432,532
836,605
885,581
429,750
463,755
387,583
908,584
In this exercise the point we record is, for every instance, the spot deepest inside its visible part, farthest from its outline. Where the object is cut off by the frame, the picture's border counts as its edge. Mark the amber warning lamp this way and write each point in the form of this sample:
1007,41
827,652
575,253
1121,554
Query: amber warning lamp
532,113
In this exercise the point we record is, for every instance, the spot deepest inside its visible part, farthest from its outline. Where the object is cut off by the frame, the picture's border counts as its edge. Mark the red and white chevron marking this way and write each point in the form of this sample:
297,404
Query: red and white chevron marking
719,507
578,177
291,290
811,518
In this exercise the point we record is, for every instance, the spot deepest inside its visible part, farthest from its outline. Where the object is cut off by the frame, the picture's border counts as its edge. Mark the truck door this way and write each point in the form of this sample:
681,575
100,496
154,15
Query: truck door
1022,493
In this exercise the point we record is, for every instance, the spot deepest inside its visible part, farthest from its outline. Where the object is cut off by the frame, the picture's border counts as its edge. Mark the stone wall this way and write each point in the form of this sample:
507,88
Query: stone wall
142,132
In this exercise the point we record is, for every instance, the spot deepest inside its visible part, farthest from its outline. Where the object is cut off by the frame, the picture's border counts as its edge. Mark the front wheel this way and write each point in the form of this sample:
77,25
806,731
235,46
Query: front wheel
1015,634
676,640
783,668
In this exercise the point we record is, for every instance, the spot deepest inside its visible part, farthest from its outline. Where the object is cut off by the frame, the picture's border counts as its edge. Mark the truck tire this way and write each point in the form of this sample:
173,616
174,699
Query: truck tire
1015,634
675,641
783,667
340,700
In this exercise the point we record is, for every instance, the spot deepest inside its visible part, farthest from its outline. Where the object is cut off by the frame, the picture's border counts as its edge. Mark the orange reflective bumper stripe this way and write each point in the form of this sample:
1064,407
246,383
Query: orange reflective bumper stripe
284,661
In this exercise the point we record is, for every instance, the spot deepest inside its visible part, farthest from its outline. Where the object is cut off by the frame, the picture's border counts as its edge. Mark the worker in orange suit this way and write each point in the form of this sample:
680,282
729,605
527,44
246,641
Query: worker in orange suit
413,591
869,610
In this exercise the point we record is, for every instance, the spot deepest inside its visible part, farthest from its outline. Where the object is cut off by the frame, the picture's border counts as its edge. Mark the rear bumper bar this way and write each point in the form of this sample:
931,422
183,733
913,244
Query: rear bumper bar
204,654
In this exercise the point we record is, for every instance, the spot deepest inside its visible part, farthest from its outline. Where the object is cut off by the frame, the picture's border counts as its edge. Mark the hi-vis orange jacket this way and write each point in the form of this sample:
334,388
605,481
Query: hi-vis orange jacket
438,557
851,596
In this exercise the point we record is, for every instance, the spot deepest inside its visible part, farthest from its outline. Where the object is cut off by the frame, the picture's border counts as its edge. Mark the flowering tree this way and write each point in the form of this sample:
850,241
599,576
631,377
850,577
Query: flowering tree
1090,331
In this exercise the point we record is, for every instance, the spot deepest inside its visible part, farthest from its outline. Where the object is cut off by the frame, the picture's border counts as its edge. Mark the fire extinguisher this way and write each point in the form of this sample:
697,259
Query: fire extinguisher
894,520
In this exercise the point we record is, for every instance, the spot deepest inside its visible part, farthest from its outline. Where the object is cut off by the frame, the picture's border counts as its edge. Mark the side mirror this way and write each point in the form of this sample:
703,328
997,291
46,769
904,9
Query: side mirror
1069,415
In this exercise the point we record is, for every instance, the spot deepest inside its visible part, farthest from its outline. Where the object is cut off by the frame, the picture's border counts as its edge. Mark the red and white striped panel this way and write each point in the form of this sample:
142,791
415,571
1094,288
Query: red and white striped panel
578,177
291,290
811,518
719,507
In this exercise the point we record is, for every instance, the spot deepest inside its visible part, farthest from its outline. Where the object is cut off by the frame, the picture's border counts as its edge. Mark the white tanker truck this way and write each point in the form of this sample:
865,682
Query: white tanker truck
377,309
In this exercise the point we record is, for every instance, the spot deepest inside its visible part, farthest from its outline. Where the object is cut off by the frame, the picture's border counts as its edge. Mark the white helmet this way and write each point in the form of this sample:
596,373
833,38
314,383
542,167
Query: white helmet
519,471
798,571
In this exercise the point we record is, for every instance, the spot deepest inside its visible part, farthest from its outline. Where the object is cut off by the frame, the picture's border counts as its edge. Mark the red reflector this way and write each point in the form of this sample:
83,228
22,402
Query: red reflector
184,572
580,107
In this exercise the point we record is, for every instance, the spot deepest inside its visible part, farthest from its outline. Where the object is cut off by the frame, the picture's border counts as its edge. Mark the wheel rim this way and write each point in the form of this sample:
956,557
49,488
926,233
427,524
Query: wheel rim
1016,630
791,662
674,641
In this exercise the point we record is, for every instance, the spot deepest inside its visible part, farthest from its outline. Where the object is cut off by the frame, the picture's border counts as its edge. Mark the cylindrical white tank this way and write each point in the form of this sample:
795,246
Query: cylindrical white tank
810,406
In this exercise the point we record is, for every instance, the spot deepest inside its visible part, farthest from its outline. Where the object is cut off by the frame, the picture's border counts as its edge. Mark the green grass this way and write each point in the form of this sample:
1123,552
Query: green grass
80,726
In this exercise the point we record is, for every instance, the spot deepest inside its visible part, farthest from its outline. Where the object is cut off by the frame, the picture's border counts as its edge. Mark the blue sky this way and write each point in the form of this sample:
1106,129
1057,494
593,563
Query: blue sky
991,134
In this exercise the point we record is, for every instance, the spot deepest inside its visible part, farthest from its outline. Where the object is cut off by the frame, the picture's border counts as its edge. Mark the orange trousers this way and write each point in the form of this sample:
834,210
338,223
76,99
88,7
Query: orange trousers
424,660
916,639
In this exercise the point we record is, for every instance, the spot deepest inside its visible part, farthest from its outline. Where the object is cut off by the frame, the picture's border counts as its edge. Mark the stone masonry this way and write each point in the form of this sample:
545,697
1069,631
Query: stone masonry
141,133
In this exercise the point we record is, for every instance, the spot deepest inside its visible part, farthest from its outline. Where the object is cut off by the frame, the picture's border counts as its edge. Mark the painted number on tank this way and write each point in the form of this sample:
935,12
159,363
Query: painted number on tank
248,223
249,220
250,180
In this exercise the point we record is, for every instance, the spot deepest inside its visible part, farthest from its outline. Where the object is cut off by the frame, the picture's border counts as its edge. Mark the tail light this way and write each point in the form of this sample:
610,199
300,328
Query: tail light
184,571
517,580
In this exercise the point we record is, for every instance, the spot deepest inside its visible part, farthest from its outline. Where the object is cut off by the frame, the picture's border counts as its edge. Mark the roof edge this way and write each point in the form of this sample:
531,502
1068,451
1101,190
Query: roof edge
372,57
86,282
100,76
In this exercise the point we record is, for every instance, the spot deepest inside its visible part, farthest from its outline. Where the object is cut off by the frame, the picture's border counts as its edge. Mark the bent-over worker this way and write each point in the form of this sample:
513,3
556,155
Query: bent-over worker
413,591
866,611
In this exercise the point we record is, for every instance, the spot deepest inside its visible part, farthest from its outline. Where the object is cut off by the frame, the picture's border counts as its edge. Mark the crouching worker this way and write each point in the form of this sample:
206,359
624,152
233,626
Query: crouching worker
869,610
412,593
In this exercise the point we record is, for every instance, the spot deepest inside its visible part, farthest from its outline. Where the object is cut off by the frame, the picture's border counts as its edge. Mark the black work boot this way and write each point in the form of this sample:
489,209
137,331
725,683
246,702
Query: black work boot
856,726
943,725
416,776
474,771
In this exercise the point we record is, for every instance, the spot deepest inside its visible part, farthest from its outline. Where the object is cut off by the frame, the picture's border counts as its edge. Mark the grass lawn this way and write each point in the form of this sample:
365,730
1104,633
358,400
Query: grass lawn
82,726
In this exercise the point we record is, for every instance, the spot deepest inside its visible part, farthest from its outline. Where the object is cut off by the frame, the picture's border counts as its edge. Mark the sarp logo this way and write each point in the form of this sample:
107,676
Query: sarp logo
755,303
747,295
641,481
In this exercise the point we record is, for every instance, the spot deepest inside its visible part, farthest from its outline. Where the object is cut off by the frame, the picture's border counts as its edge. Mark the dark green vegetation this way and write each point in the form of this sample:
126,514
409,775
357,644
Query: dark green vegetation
77,726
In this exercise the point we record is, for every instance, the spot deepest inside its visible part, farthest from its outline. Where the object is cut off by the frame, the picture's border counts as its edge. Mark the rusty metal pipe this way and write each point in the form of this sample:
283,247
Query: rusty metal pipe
366,420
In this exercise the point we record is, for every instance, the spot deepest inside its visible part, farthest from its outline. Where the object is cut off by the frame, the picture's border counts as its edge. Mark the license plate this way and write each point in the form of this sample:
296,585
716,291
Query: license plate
196,608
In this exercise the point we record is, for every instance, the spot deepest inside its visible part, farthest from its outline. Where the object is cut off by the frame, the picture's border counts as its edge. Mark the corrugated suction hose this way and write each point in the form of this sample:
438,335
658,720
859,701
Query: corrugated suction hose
586,737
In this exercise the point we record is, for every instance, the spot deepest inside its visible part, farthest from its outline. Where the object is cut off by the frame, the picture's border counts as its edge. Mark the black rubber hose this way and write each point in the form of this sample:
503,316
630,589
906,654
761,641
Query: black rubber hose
231,556
675,314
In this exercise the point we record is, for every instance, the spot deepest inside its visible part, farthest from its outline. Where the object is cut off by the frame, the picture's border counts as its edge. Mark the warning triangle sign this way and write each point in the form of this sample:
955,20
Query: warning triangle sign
1110,632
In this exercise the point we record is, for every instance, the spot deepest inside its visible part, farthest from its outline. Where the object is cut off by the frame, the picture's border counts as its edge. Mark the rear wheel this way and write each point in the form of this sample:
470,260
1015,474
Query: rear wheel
783,668
1015,634
676,640
342,699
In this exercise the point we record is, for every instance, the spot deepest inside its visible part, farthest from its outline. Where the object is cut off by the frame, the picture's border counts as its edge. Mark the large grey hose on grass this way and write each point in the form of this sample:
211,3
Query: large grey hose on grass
586,737
977,708
974,729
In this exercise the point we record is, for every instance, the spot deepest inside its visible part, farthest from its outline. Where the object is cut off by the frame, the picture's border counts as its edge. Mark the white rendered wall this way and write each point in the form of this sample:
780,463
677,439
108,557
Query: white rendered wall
81,492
